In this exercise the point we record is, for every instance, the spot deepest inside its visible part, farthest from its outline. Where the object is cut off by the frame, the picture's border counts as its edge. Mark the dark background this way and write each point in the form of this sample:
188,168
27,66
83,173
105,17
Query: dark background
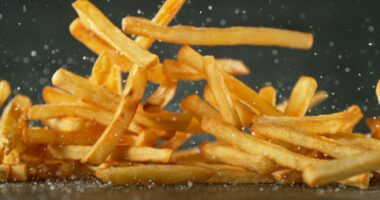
35,41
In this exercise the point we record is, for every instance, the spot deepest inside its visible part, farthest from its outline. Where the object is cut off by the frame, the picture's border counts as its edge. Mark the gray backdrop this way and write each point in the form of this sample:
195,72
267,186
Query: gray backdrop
34,42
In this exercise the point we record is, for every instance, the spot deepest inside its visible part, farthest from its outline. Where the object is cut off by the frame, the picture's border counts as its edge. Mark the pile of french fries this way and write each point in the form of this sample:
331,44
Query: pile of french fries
95,127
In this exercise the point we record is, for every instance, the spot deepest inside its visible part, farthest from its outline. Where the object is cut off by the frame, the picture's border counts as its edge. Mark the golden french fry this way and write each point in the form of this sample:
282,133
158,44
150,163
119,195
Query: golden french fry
176,141
233,66
161,97
19,172
13,120
199,108
71,124
48,111
94,19
331,171
132,94
145,138
218,36
164,174
238,89
186,154
287,176
235,157
55,95
378,91
302,93
360,181
318,98
84,89
307,140
177,70
256,146
374,125
220,91
322,124
4,172
105,74
5,91
163,17
269,94
356,139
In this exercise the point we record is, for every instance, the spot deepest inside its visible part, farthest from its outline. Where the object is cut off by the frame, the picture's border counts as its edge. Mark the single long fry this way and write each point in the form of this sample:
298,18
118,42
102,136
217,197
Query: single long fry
233,66
235,157
132,94
306,140
331,171
218,36
13,120
95,20
177,70
69,124
5,91
238,89
161,97
163,17
55,95
378,91
256,146
269,94
318,98
357,139
301,96
46,136
165,174
322,124
176,141
220,91
287,176
85,89
199,108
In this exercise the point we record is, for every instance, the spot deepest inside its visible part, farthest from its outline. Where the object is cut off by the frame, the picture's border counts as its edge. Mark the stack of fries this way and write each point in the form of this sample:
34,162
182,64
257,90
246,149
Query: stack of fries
95,127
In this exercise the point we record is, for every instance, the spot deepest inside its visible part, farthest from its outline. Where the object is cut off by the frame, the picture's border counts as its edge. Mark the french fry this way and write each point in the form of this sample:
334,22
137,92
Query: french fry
18,172
70,124
331,171
360,181
46,136
304,139
161,97
145,138
85,89
176,141
287,176
177,70
132,94
235,157
97,45
256,146
218,36
4,172
164,174
186,154
163,17
357,140
5,91
105,74
269,94
374,125
318,98
220,91
199,108
233,66
55,95
322,124
378,91
301,96
238,90
13,120
94,19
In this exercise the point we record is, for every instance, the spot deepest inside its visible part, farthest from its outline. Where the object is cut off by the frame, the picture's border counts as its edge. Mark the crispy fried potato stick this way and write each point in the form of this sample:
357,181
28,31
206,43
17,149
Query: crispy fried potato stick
307,140
177,70
161,97
70,124
218,36
85,90
238,89
233,66
287,176
256,146
19,172
54,95
331,171
374,125
132,94
4,172
220,91
199,108
269,94
5,91
322,124
302,93
318,98
46,136
96,21
105,74
186,154
176,141
97,45
164,174
13,120
356,139
378,91
235,157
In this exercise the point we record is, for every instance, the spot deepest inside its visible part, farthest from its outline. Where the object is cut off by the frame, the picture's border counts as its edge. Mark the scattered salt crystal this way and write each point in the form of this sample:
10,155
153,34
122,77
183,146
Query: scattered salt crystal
33,53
